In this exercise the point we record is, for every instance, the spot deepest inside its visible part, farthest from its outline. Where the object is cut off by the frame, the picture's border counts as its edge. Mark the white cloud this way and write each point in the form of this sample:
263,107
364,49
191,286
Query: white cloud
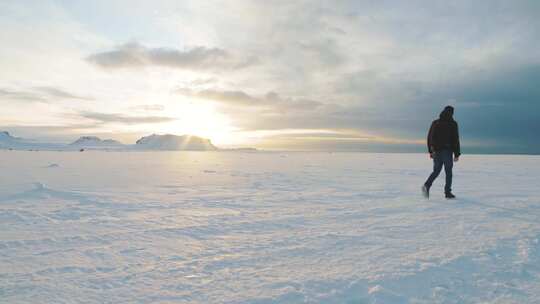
133,55
125,119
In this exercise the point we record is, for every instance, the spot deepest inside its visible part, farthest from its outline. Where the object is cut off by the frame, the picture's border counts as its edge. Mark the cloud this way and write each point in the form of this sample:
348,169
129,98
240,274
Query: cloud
40,94
326,51
270,100
123,119
48,128
203,81
20,95
272,111
53,92
382,68
133,55
148,108
334,140
506,104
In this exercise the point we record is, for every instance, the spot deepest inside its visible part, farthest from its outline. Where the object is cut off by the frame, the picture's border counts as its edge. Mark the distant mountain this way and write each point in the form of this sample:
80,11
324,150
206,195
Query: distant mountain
175,142
248,149
6,138
7,141
167,142
96,142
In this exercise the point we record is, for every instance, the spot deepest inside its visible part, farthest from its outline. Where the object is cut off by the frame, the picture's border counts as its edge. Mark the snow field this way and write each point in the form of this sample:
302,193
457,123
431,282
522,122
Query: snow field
232,227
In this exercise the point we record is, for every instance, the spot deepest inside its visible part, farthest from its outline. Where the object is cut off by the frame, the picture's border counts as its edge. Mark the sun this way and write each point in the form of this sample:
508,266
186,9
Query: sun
201,119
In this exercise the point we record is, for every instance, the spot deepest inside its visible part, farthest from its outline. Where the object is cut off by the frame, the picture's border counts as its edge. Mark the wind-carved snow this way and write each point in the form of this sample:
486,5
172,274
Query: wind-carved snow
188,227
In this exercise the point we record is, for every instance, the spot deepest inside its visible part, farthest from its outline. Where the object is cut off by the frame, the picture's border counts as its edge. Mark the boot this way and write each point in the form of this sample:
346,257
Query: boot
425,191
449,195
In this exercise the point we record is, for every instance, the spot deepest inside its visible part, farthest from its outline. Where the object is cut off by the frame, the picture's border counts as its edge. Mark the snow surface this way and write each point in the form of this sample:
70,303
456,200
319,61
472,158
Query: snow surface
214,227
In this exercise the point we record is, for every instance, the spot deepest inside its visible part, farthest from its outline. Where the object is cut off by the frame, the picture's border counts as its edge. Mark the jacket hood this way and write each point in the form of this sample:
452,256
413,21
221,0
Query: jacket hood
447,113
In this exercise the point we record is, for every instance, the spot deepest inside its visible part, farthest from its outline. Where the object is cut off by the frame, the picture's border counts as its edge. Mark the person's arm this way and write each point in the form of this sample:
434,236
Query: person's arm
430,138
457,148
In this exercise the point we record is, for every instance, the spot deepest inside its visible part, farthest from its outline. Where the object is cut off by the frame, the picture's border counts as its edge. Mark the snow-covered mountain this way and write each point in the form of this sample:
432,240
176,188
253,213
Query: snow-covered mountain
167,142
174,142
94,142
8,141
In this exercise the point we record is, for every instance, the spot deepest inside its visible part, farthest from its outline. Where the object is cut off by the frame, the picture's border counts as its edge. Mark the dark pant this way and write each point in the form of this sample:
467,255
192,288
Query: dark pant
442,157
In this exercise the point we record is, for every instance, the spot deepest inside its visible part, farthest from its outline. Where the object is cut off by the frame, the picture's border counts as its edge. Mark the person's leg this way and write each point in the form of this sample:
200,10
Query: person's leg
437,166
448,164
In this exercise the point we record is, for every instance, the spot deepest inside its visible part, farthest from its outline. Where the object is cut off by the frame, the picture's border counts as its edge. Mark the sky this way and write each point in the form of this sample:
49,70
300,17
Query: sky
297,75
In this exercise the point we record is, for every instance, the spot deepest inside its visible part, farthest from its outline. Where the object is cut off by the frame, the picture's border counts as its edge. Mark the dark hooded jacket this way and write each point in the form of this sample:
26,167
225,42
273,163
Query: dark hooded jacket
443,133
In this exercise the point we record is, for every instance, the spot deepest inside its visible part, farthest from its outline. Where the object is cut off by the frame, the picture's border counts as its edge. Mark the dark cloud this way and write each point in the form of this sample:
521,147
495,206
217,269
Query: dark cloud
132,55
123,119
500,105
497,107
40,94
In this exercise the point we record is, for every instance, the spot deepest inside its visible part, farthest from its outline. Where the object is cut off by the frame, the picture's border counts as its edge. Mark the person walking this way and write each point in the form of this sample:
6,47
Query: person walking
443,147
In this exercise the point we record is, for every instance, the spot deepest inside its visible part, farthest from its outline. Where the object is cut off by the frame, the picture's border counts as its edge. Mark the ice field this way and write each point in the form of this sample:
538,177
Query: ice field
234,227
